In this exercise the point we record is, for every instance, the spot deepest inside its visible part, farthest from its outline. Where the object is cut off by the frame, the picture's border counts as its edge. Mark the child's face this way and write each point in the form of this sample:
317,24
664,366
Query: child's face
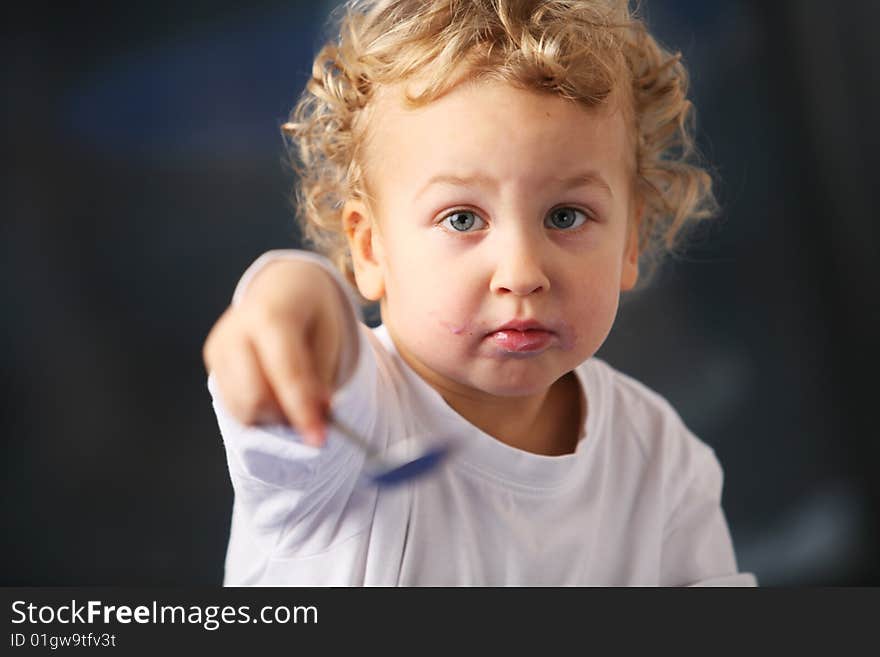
495,205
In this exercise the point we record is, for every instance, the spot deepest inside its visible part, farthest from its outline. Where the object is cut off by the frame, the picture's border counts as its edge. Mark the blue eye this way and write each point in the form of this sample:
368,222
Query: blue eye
463,221
565,218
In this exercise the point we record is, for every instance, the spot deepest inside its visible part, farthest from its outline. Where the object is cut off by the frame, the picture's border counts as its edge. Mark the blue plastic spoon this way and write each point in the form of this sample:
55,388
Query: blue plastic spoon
384,469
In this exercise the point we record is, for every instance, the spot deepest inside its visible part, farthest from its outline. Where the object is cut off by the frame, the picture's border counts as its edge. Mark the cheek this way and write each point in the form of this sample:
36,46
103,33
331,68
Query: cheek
435,311
423,273
402,270
593,308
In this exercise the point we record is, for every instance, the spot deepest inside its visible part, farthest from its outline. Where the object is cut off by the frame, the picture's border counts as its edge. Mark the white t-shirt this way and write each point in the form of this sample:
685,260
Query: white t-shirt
637,503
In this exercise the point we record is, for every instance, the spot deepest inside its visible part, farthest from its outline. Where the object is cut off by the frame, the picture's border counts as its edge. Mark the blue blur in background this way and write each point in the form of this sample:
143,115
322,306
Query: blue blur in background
144,171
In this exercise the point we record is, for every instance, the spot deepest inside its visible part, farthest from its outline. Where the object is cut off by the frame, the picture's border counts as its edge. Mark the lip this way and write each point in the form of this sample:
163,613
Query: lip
522,325
522,336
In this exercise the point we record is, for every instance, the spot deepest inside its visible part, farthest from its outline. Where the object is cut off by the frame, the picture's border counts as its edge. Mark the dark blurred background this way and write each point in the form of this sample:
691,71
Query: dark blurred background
143,173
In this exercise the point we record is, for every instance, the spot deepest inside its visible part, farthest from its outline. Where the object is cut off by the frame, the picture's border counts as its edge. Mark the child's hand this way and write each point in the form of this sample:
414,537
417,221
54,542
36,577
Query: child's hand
275,354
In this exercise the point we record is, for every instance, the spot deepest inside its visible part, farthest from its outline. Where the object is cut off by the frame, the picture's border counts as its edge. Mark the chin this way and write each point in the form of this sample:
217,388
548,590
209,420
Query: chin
519,384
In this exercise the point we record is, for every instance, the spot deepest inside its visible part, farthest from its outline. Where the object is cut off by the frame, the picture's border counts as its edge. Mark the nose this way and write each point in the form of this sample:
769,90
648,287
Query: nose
519,270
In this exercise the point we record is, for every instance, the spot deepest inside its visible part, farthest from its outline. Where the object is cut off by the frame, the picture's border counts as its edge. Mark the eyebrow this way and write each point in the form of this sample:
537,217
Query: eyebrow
585,179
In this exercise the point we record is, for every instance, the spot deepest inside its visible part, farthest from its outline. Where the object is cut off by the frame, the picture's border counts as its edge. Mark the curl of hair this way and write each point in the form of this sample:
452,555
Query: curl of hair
581,50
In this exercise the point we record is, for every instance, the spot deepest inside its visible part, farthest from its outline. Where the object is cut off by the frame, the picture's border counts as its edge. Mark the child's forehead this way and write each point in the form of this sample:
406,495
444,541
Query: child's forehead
497,130
473,102
390,100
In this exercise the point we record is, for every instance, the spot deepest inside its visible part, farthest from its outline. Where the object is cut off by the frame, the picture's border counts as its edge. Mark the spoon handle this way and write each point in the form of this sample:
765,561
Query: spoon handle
352,437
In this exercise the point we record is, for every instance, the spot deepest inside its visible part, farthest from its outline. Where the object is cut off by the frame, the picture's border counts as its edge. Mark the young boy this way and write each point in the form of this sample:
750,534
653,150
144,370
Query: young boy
491,172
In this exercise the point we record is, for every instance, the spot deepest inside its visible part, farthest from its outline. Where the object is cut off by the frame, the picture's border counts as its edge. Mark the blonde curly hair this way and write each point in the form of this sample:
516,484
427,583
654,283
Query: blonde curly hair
582,50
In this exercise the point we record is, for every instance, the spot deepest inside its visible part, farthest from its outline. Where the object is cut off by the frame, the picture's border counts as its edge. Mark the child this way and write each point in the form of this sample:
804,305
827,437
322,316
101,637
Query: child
492,172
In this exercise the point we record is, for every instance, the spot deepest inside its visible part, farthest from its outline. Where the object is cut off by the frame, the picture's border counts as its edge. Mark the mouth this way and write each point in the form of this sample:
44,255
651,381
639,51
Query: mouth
522,336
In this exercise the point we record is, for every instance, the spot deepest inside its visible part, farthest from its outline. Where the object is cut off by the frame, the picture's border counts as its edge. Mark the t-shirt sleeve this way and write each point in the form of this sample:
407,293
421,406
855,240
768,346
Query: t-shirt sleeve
697,546
279,480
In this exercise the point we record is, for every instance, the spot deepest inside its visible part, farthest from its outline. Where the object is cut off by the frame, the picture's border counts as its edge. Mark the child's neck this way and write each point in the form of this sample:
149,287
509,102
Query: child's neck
549,423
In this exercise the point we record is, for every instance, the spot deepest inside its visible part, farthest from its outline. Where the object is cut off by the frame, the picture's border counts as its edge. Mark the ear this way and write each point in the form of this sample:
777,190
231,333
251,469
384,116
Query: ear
365,244
630,270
